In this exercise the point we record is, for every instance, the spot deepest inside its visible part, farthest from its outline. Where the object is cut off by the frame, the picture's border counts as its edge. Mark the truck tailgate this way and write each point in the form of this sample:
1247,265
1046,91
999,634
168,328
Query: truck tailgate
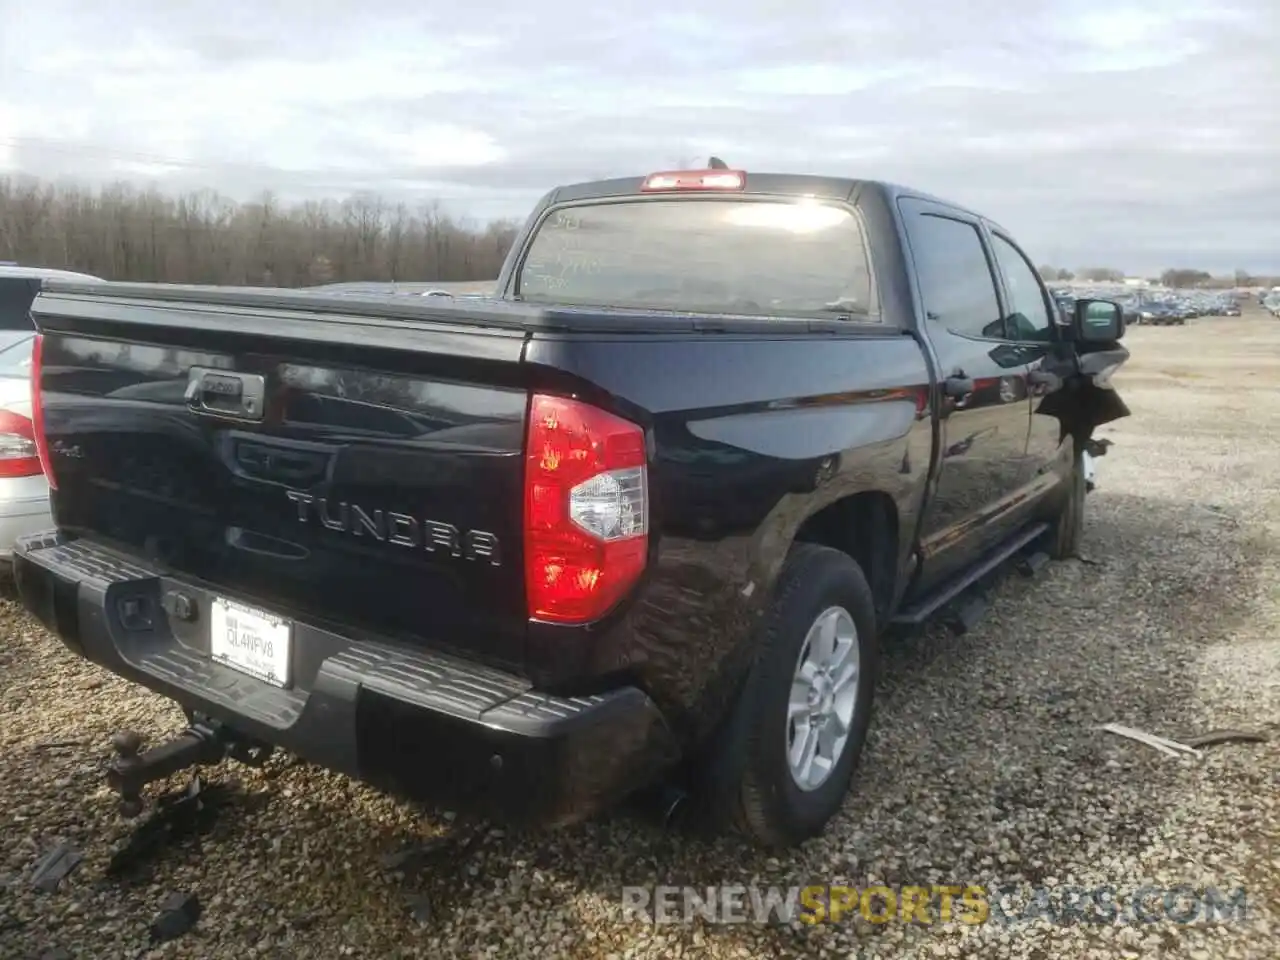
355,471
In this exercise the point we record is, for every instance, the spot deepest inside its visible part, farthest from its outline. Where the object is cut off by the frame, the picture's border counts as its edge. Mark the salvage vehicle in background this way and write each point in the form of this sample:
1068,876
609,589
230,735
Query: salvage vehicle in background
1160,306
24,494
644,516
1160,314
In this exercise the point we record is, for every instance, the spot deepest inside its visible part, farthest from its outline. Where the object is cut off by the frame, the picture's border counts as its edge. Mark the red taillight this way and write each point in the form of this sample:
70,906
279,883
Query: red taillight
695,180
19,455
37,409
586,510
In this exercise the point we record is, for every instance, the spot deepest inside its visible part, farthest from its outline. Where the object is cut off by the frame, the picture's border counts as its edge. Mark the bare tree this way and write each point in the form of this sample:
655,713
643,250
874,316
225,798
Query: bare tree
1185,278
1101,274
120,233
1050,274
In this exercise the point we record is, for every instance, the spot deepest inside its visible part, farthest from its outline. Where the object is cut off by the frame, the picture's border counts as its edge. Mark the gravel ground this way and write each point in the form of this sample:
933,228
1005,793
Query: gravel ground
984,764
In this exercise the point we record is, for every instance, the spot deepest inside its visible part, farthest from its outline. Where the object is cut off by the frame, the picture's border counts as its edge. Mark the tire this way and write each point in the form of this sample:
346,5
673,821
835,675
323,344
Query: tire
1068,525
749,780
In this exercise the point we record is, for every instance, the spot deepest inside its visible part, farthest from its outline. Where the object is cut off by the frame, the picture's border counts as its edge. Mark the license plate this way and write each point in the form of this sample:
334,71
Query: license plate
251,641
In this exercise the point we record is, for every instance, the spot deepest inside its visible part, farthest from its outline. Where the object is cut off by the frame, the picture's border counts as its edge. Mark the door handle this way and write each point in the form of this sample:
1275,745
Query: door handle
958,386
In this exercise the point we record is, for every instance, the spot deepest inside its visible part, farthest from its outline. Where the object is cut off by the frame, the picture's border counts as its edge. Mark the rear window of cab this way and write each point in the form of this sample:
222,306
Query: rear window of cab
733,256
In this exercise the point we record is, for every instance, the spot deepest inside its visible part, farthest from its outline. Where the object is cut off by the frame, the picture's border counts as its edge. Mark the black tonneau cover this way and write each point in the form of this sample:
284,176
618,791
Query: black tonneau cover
366,319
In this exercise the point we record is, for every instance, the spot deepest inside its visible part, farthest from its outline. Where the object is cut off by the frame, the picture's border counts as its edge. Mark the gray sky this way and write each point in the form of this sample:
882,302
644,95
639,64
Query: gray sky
1141,135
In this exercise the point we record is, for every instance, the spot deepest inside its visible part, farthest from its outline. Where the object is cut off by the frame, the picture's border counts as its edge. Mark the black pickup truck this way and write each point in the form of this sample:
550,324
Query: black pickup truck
642,517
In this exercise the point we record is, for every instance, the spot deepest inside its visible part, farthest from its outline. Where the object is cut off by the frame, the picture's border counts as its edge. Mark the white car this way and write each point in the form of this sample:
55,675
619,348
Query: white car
24,493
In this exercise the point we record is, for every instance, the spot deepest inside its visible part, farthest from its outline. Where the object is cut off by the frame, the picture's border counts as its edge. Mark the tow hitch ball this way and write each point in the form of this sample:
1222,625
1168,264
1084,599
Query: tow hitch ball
131,770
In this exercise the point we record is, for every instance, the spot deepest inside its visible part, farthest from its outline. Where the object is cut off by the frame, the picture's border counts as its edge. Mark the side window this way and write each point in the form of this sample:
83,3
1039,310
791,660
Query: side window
956,283
1030,317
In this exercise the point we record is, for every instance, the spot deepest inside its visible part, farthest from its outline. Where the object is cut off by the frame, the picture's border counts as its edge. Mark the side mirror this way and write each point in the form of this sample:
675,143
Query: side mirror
1098,321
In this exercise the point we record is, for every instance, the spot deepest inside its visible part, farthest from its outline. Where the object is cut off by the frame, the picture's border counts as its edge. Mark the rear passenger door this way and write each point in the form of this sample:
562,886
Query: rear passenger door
984,407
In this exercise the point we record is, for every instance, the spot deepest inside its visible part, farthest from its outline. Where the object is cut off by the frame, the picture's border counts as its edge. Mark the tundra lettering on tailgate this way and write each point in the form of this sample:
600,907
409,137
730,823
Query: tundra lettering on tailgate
403,530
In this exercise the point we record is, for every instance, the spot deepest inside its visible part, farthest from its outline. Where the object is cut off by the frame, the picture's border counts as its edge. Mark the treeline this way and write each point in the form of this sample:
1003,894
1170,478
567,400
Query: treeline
123,233
1173,277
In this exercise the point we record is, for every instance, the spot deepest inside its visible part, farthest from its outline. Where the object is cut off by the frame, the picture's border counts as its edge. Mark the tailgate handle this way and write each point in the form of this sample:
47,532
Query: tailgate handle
226,393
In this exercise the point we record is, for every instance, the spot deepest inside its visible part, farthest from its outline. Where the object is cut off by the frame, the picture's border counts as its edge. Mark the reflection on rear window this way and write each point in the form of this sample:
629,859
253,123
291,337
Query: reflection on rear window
725,256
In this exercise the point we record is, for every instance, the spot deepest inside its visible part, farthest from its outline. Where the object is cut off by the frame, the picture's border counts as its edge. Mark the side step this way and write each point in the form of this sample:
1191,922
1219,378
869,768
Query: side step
927,606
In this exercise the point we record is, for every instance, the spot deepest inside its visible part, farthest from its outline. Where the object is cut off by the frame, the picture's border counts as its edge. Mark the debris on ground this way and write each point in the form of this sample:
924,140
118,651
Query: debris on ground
178,914
1032,563
55,866
178,816
11,923
419,908
448,849
1214,737
58,744
1172,747
454,845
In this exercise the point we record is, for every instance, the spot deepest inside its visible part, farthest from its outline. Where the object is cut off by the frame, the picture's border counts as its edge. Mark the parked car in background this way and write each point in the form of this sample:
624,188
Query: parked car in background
24,493
1160,313
1066,305
1155,305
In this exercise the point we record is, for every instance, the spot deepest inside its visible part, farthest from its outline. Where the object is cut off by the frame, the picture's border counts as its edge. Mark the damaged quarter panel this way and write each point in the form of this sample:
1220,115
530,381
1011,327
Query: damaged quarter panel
1099,402
739,463
1080,403
1077,396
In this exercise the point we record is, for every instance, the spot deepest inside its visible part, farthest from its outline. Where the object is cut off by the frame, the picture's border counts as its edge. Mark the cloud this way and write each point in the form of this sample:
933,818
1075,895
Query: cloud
1138,134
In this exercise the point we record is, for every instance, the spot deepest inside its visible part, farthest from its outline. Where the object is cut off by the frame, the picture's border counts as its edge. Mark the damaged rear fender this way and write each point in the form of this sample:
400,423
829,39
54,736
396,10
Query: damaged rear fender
1087,398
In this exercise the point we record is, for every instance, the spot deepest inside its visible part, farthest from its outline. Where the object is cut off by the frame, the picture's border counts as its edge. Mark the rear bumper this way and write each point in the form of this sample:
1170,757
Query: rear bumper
420,724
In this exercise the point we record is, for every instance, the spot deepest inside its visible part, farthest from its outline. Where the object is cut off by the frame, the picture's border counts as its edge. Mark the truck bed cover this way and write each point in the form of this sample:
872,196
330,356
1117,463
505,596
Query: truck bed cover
225,308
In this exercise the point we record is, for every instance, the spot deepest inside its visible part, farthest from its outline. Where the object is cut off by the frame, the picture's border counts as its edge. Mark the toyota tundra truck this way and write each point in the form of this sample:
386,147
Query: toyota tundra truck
642,517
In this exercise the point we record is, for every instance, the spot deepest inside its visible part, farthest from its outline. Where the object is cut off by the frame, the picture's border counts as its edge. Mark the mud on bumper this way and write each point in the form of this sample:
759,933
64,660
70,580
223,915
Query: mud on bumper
420,724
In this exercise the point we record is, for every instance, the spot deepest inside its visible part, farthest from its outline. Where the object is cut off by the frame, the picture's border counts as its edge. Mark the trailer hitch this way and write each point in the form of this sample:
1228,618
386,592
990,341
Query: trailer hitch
131,770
